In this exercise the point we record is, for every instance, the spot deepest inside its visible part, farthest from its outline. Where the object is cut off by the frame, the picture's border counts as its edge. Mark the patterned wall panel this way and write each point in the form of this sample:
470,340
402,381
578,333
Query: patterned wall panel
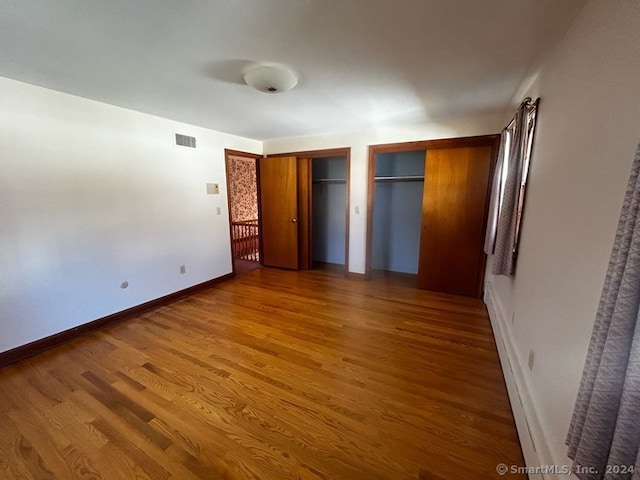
243,189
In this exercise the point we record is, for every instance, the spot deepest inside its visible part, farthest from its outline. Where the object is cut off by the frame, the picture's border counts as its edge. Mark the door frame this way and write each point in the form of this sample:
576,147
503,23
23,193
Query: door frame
237,153
311,154
481,140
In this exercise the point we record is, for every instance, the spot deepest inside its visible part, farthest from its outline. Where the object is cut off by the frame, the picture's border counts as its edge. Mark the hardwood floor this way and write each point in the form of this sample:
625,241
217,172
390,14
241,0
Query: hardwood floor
274,375
244,266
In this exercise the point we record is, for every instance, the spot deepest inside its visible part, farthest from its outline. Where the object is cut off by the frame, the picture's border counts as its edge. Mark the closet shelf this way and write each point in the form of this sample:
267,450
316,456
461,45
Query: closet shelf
403,178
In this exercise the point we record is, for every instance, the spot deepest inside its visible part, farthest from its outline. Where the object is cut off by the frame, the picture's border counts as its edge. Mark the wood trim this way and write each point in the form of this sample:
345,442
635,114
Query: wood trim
33,348
305,214
371,187
226,178
356,276
348,212
238,153
260,230
329,152
408,147
433,144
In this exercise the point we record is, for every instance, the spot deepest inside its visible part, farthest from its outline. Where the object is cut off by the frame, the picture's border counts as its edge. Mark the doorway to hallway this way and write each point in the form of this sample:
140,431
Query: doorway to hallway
244,220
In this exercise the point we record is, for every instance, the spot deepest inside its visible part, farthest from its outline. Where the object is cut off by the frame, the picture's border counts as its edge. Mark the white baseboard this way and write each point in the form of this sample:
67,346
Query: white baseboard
534,444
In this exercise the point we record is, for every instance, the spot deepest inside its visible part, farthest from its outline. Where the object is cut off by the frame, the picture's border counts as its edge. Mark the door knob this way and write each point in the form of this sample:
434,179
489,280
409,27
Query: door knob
293,220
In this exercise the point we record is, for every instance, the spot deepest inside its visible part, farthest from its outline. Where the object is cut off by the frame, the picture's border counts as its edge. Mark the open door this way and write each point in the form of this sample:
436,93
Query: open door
279,211
453,219
286,207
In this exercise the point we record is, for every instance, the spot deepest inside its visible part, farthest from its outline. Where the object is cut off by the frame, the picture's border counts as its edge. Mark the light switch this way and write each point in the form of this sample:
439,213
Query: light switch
213,189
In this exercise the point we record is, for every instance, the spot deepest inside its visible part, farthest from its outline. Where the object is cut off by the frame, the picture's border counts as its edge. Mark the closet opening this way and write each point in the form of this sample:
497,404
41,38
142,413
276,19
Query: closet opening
427,211
398,185
244,220
304,207
328,211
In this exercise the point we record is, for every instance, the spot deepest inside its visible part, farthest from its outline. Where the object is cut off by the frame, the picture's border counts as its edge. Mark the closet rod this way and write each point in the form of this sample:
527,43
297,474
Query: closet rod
403,178
330,180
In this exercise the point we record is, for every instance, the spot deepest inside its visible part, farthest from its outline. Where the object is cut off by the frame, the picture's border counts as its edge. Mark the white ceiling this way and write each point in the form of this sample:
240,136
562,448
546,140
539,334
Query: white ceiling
361,63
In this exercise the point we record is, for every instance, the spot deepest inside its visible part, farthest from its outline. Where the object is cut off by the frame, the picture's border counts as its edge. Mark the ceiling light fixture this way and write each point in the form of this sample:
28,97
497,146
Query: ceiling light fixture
271,78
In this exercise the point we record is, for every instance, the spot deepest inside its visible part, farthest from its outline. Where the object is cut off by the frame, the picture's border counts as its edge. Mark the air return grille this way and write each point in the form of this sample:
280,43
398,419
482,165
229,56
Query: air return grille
185,141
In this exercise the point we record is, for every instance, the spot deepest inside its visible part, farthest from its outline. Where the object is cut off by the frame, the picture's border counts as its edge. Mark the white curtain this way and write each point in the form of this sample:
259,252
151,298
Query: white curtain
496,196
508,189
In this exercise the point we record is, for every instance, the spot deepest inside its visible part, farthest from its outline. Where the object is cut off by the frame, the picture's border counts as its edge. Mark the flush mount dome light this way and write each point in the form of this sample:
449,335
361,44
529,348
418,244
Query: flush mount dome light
271,78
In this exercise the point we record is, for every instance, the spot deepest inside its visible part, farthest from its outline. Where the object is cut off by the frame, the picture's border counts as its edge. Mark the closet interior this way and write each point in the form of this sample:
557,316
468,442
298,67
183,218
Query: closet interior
328,210
399,184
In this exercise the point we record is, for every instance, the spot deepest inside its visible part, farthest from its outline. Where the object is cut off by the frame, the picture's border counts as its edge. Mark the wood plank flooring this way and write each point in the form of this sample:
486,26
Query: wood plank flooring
273,375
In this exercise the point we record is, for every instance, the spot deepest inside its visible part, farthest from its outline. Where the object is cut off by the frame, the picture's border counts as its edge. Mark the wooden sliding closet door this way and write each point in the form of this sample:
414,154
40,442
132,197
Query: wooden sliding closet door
453,219
279,211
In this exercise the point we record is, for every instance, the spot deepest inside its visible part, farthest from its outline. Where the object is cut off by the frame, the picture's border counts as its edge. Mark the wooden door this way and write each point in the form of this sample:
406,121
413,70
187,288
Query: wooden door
453,220
279,211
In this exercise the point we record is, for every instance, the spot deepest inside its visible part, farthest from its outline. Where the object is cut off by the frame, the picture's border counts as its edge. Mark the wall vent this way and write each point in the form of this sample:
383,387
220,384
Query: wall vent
185,141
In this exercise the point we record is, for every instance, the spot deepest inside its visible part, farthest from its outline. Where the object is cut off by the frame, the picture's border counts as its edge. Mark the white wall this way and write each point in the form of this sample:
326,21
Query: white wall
359,142
588,129
92,195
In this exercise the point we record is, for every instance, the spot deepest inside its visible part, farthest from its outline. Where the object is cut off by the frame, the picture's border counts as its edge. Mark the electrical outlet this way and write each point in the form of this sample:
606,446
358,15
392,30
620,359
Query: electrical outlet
357,210
218,211
513,318
532,356
183,269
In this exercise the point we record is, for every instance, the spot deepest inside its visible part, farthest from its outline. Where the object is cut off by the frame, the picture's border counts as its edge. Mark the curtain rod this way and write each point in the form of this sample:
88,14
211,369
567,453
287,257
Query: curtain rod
527,102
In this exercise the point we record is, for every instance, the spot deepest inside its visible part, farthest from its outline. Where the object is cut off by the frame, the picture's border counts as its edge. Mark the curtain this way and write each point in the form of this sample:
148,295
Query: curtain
604,434
496,196
509,176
